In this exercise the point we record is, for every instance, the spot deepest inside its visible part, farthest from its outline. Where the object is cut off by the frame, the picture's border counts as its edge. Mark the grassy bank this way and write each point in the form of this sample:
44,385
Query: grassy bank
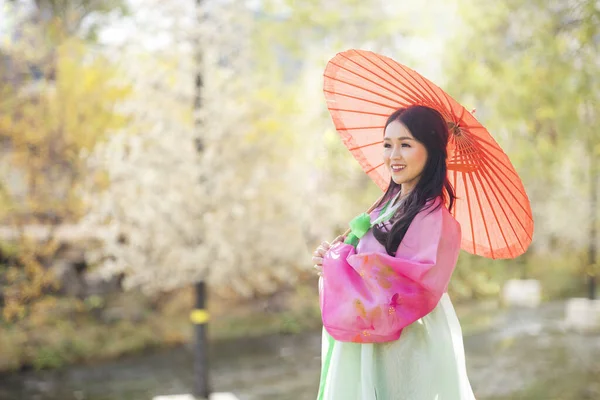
66,331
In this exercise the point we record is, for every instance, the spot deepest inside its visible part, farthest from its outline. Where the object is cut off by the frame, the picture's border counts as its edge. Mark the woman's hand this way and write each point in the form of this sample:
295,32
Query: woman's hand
320,252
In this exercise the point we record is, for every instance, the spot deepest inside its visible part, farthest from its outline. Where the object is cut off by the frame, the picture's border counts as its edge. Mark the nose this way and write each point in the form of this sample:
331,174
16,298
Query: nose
396,156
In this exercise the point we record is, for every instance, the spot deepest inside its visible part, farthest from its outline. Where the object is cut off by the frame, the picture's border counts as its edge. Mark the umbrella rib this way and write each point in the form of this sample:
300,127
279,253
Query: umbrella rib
518,201
487,172
361,87
374,168
462,114
402,95
365,145
480,139
358,98
358,112
488,153
413,91
474,144
484,176
449,100
475,141
491,167
429,88
484,170
404,74
487,232
508,166
479,203
470,213
364,127
401,89
455,178
362,54
499,161
423,100
472,126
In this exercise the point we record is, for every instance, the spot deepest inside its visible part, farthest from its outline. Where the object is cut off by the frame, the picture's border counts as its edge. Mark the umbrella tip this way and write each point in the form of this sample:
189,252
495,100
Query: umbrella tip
473,111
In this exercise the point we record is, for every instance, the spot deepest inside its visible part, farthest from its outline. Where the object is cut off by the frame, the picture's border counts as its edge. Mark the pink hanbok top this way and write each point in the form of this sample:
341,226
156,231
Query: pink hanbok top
367,296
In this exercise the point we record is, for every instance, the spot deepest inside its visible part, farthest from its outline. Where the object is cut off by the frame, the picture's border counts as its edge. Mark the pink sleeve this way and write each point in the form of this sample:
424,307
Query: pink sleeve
371,297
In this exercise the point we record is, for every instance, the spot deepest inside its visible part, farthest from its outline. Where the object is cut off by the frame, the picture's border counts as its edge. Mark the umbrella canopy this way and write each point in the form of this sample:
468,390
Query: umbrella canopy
363,89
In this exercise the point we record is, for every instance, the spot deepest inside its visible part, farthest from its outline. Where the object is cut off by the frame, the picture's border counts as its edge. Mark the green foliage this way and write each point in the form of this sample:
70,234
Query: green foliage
26,279
48,123
48,127
51,126
337,24
59,331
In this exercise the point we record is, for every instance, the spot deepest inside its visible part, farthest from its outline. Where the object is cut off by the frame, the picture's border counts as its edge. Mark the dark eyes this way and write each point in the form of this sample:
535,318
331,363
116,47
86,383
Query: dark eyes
387,145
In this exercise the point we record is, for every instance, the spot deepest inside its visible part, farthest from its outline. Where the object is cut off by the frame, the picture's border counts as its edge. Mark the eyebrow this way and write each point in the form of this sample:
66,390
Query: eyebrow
400,138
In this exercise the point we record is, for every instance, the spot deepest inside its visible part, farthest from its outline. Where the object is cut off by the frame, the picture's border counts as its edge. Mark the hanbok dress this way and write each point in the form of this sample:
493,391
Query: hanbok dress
390,330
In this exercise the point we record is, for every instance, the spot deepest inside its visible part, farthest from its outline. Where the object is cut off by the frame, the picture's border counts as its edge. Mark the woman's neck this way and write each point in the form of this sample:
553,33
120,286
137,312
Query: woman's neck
398,197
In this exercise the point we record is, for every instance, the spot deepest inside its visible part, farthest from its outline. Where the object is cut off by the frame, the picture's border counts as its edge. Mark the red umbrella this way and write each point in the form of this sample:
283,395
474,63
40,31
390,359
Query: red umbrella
363,88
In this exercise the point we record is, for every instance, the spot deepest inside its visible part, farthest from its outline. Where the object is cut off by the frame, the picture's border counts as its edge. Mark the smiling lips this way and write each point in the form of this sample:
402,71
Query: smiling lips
397,167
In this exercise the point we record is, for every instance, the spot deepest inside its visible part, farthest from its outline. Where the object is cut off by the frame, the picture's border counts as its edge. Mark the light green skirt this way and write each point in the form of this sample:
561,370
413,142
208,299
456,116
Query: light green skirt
426,363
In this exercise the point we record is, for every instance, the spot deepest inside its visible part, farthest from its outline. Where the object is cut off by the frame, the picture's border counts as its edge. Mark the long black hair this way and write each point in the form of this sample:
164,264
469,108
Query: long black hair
429,128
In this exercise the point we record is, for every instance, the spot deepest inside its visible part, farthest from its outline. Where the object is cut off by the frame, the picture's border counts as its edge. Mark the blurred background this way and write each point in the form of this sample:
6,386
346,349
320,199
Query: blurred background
147,145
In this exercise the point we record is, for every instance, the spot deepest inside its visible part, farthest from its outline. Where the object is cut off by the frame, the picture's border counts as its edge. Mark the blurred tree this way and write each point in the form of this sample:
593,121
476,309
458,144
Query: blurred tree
187,216
152,203
531,67
242,213
45,127
58,99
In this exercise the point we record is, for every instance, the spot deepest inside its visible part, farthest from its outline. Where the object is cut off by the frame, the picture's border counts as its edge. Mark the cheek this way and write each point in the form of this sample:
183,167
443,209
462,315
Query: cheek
419,157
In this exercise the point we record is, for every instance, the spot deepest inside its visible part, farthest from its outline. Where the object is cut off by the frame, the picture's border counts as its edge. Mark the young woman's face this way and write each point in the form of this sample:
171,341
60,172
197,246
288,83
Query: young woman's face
403,156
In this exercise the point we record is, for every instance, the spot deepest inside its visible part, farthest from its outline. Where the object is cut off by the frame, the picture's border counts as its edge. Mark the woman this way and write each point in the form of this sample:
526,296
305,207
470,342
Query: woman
390,331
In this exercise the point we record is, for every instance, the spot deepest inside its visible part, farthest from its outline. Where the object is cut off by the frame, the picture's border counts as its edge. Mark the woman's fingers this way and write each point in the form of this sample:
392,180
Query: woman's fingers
319,269
322,249
319,253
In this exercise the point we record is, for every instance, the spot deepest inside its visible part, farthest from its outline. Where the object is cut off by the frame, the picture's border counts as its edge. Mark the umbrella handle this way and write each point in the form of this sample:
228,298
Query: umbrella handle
345,234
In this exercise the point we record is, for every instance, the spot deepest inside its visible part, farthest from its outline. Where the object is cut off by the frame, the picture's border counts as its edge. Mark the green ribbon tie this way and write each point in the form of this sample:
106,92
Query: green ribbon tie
359,226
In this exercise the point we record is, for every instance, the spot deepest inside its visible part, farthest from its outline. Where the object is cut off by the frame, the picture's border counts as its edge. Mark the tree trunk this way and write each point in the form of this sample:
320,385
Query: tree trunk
593,237
201,381
201,384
